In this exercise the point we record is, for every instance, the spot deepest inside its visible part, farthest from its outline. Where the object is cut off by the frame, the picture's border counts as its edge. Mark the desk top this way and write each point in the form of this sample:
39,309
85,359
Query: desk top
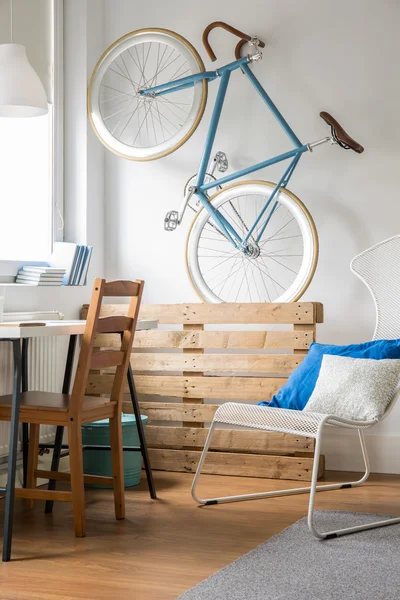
9,331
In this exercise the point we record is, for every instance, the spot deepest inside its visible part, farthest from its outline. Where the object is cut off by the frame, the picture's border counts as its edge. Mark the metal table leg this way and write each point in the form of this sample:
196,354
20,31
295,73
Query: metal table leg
25,426
142,439
55,461
13,449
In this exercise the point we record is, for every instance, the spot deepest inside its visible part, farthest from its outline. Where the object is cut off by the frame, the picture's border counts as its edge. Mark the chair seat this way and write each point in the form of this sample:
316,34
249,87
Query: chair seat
40,407
297,422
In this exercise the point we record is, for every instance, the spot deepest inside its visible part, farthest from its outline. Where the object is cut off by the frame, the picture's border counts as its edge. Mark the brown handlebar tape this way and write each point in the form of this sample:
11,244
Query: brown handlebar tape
244,37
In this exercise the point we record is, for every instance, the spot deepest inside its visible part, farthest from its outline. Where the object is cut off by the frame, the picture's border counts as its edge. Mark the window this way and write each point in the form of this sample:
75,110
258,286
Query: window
31,149
25,188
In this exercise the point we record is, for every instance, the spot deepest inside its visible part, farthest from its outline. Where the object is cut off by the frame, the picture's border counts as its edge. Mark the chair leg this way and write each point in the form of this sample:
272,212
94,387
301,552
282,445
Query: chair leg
314,488
33,455
55,464
117,466
77,485
302,490
142,437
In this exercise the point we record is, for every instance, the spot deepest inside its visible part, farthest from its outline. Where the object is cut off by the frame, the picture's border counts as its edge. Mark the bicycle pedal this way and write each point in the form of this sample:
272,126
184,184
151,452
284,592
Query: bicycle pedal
222,161
171,220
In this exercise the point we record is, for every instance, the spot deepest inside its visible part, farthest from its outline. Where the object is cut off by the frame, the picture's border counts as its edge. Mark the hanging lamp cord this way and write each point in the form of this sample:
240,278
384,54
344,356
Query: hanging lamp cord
12,19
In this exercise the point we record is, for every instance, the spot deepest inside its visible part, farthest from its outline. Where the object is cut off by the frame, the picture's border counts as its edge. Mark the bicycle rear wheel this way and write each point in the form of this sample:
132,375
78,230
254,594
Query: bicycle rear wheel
144,127
277,268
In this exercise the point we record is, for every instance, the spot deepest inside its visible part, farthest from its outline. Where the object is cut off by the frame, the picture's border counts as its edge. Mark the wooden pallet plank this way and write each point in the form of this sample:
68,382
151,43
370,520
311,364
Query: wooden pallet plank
221,388
289,340
233,313
228,439
243,465
212,363
248,313
155,338
170,411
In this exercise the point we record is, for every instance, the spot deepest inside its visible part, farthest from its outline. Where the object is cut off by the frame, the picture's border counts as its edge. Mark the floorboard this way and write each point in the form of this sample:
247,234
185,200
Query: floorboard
163,547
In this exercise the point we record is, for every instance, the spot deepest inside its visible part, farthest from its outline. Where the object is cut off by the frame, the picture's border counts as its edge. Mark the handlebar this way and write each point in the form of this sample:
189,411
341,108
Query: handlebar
244,37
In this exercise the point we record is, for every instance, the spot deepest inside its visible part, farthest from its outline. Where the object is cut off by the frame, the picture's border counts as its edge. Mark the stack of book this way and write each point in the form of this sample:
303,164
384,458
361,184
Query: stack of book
40,275
68,265
75,258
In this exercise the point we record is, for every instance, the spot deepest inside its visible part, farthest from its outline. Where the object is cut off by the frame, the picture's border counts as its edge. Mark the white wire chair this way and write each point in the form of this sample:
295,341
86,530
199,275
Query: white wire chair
375,267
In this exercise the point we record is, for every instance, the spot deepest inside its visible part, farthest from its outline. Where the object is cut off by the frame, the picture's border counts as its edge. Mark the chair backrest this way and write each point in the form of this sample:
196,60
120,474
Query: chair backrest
378,268
125,325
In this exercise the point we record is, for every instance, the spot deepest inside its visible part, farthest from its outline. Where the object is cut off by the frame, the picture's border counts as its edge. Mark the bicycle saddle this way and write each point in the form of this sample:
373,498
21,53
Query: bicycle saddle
340,135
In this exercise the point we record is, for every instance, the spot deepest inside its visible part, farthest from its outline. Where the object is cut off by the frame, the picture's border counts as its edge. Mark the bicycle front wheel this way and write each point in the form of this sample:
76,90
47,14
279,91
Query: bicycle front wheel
278,267
146,127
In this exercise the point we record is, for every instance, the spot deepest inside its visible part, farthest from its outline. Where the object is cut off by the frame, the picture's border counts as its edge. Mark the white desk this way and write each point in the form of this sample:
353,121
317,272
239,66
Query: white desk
20,336
13,332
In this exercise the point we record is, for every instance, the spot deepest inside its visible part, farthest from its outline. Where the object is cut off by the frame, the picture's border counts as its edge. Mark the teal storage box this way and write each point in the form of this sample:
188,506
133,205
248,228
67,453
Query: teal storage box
98,462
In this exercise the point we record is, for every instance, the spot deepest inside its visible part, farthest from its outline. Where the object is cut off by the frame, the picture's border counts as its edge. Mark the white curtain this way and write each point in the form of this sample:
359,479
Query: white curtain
32,27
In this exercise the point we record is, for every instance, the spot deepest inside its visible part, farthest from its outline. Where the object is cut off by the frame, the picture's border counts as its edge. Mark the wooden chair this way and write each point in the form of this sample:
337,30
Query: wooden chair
73,410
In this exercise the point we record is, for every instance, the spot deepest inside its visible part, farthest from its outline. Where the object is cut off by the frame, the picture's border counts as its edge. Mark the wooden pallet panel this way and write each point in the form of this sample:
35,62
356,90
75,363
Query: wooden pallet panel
242,465
189,373
234,440
216,363
212,387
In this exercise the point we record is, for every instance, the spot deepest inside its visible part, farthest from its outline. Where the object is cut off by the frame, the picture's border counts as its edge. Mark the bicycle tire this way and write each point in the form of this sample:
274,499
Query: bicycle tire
122,62
306,230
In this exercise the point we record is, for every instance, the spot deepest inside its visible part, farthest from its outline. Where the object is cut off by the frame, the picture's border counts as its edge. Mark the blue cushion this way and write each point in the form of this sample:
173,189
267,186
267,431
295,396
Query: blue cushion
300,385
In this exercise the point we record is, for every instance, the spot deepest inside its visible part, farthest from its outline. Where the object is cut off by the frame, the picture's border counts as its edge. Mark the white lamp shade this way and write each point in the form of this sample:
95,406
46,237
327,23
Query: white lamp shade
21,92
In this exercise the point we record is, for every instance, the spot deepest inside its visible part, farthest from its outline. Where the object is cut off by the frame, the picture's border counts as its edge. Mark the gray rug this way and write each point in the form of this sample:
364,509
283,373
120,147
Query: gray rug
294,565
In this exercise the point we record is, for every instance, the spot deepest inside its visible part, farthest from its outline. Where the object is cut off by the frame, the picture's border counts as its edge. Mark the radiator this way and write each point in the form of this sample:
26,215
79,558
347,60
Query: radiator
43,371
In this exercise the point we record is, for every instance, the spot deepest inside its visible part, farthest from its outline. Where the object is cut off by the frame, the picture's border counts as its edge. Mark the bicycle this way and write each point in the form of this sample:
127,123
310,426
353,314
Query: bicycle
251,240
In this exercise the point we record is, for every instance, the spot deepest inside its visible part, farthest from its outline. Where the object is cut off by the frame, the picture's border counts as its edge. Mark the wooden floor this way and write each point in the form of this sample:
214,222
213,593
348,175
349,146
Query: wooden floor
164,547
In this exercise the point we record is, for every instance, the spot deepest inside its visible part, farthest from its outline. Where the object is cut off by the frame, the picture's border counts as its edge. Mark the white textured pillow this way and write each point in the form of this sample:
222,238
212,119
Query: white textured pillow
354,388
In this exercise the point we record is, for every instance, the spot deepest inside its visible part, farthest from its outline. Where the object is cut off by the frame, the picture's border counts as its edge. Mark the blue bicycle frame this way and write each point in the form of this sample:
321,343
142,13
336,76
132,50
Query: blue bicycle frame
202,188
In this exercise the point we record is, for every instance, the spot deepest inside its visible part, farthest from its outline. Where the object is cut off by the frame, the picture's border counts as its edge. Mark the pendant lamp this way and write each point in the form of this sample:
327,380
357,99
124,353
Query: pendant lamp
21,92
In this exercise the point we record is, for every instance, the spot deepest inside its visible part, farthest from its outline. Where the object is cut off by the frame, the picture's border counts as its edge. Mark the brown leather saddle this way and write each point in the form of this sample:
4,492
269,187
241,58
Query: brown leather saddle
340,135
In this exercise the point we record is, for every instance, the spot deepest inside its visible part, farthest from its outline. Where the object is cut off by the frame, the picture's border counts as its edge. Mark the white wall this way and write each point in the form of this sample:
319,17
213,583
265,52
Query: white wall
320,55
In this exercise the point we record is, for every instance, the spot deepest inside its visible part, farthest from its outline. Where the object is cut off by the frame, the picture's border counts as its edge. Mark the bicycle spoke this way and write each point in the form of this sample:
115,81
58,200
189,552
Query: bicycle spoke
178,75
175,104
266,289
122,75
120,91
118,112
226,279
163,128
127,71
141,125
119,121
279,230
158,117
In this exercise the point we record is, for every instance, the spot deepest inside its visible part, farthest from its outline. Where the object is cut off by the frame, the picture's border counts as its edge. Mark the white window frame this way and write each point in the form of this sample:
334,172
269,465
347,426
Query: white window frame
9,268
